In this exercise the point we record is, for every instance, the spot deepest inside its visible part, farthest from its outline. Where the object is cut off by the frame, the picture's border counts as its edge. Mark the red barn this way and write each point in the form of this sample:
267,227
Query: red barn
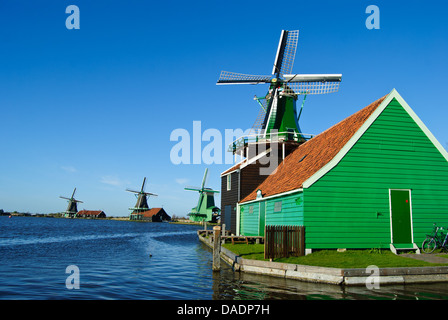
154,215
91,214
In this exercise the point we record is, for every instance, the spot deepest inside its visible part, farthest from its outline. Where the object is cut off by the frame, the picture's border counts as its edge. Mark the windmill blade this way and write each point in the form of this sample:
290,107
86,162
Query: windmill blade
240,78
198,206
143,184
73,194
312,77
192,188
257,127
129,190
205,178
77,201
64,198
286,52
211,191
298,88
150,194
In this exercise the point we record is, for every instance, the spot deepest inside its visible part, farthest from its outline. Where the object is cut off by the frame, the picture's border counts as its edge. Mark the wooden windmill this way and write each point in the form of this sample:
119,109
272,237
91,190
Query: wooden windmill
278,114
72,207
205,209
142,202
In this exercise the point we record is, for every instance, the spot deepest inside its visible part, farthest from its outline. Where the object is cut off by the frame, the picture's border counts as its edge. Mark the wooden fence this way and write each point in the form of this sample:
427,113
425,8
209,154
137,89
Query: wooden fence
284,241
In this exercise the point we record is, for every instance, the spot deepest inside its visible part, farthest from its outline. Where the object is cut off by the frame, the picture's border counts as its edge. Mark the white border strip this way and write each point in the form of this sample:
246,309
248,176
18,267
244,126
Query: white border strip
273,196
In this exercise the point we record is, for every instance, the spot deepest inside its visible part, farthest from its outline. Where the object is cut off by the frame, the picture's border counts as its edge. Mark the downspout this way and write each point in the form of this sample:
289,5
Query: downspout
237,219
238,204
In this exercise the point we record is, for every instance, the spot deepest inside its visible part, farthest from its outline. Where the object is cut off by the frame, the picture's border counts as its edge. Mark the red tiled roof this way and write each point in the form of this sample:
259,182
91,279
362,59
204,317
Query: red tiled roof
311,156
89,212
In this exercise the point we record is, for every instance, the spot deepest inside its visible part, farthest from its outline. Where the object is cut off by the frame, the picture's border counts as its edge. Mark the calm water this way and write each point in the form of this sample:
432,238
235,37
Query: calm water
129,260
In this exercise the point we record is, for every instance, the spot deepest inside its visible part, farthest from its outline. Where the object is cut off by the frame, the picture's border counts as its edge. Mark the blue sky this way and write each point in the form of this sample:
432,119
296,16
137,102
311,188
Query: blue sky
94,108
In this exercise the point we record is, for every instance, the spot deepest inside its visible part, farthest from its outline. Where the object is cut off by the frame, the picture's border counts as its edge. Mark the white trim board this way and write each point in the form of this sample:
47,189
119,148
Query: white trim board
245,162
273,196
393,94
410,214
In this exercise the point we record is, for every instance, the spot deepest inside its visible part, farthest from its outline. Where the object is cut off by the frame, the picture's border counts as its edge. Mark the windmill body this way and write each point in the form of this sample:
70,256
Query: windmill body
279,117
72,207
142,202
205,210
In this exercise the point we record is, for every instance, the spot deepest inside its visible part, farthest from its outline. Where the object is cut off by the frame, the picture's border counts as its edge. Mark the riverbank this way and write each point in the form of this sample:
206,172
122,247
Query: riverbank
336,276
121,218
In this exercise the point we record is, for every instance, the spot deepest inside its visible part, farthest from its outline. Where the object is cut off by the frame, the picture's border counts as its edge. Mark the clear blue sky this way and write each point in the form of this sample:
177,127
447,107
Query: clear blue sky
94,108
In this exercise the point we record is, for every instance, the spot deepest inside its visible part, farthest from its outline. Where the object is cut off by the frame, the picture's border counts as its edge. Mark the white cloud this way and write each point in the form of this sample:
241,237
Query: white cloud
181,181
68,169
113,181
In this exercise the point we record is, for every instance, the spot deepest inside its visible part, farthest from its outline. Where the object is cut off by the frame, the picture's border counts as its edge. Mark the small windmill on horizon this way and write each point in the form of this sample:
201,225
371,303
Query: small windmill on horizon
72,207
142,202
205,209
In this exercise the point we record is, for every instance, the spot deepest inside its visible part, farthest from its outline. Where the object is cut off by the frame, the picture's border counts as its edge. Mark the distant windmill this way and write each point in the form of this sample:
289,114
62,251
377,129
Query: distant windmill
142,203
205,210
72,207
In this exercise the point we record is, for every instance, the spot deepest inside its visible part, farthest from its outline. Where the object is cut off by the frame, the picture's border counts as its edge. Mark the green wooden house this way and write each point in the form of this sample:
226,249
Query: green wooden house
378,179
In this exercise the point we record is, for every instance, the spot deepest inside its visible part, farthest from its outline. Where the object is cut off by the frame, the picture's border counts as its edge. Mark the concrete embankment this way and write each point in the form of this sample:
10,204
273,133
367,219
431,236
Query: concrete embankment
337,276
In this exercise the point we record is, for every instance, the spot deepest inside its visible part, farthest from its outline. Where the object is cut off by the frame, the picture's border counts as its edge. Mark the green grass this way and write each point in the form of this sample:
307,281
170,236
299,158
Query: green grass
332,258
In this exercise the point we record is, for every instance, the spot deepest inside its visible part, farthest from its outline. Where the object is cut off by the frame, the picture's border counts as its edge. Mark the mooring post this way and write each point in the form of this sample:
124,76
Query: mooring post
216,248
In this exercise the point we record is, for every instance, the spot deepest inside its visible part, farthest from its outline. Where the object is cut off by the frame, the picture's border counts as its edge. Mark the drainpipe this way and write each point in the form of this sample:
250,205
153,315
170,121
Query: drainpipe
238,219
237,204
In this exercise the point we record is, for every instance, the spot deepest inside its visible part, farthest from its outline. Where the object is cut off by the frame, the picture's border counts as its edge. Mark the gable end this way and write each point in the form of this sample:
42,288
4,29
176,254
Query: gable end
391,96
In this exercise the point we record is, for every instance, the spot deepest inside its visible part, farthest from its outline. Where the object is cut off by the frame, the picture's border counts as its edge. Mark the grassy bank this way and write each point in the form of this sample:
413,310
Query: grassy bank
332,258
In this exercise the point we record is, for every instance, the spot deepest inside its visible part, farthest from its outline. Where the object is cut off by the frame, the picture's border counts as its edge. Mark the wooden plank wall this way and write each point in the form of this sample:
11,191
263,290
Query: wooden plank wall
349,206
229,197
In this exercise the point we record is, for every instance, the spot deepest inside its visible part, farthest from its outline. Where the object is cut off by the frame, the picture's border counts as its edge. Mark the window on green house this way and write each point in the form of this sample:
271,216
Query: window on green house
251,209
278,206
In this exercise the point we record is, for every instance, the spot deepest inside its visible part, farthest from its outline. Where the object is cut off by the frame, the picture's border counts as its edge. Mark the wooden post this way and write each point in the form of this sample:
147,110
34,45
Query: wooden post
216,248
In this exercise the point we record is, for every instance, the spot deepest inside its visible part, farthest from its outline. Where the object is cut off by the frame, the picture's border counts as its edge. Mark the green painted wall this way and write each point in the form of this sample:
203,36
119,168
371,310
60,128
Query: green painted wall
291,213
249,219
349,206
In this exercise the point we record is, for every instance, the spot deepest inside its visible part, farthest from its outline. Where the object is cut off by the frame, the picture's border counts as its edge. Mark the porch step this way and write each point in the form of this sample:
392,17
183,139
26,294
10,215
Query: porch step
395,247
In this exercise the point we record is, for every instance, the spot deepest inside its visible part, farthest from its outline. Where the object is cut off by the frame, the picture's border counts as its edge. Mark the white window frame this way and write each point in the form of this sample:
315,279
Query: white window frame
229,182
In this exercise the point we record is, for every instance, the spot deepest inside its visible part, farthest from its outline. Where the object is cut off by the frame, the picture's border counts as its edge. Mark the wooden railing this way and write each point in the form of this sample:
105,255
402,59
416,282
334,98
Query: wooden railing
284,241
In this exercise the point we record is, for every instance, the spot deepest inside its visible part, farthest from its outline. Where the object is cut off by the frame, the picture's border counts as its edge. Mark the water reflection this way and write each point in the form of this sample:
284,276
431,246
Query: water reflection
127,260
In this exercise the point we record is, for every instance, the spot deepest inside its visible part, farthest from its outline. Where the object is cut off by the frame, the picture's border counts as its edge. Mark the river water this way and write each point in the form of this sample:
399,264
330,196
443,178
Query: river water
46,258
